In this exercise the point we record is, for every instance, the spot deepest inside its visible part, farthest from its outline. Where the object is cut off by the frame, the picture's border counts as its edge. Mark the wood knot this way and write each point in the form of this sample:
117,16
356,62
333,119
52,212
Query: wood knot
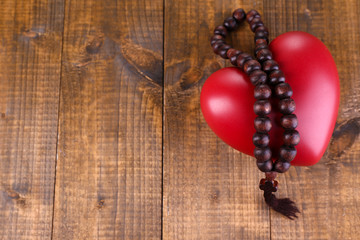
100,204
94,44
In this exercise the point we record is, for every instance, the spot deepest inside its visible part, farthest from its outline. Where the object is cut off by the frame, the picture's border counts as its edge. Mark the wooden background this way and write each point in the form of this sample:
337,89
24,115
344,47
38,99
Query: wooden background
102,137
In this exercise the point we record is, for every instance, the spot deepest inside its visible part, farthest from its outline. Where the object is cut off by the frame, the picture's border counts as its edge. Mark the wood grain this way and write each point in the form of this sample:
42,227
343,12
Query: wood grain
30,61
210,191
109,172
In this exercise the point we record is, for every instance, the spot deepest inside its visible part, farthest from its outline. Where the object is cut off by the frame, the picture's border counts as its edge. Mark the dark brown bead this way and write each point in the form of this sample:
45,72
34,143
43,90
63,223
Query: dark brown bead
291,137
289,121
262,107
262,124
251,65
263,55
270,65
242,58
270,176
262,92
258,77
287,106
220,30
255,23
239,15
265,166
251,15
262,154
261,139
260,47
217,46
276,77
230,24
223,51
287,153
282,167
216,38
262,29
261,41
283,90
261,35
232,52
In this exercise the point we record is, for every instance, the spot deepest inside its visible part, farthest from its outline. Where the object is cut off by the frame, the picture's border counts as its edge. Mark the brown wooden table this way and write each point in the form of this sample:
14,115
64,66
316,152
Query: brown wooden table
102,136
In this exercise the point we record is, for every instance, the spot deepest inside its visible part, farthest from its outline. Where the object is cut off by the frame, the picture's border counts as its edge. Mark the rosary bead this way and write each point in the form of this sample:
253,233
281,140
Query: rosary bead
260,47
251,15
287,153
283,90
261,139
232,55
291,137
270,65
262,29
263,55
289,121
276,77
242,58
220,30
217,46
262,124
282,167
261,35
255,23
239,15
262,107
216,38
223,51
251,65
257,77
261,41
230,24
265,166
262,92
270,176
287,106
262,154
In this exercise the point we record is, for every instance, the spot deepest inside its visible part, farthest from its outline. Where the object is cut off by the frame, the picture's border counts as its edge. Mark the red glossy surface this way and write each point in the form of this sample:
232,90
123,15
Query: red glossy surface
227,99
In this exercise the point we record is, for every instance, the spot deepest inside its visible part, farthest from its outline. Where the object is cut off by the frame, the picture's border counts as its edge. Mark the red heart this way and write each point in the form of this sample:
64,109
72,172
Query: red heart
227,99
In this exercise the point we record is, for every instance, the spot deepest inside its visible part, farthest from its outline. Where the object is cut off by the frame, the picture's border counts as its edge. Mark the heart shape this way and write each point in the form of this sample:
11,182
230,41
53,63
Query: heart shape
227,99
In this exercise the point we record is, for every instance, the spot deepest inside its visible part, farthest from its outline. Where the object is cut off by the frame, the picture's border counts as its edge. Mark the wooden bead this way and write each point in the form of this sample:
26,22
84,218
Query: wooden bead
262,124
287,153
263,55
255,23
282,167
262,107
215,38
251,15
257,77
242,58
270,65
266,166
283,90
230,24
223,51
276,77
217,46
261,35
239,15
261,140
261,41
289,121
232,55
291,137
270,176
262,29
220,30
287,106
262,154
259,47
251,65
262,92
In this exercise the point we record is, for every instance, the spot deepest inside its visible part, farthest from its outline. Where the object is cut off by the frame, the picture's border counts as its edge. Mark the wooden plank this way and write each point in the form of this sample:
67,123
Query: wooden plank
109,171
210,190
327,193
30,61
